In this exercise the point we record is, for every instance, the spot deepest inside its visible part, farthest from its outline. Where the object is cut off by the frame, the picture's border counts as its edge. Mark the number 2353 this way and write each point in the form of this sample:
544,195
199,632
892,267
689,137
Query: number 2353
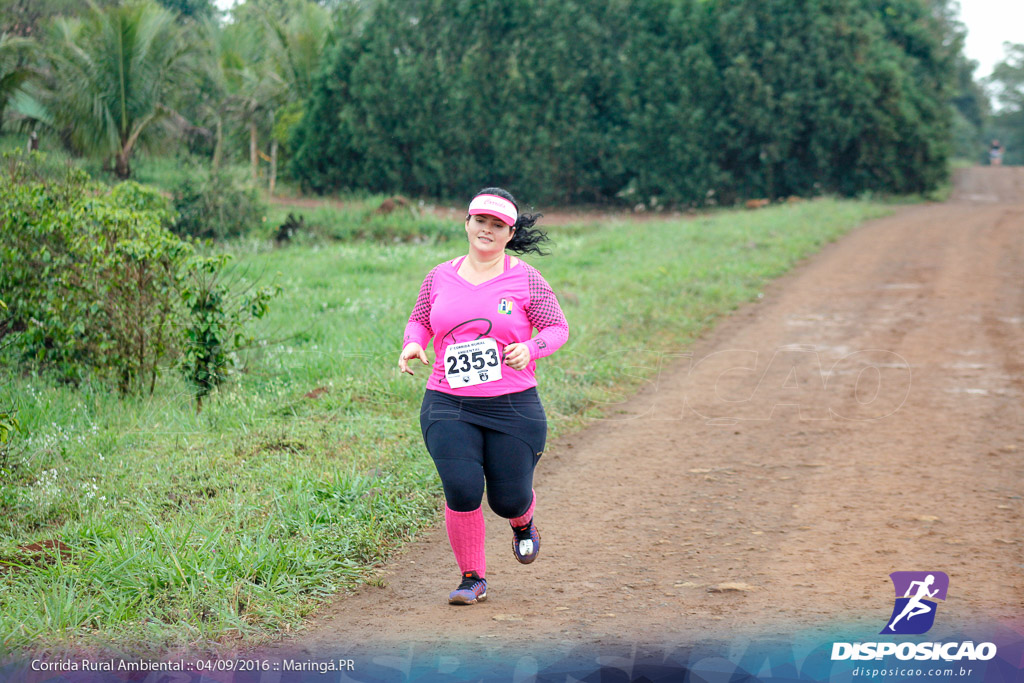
476,360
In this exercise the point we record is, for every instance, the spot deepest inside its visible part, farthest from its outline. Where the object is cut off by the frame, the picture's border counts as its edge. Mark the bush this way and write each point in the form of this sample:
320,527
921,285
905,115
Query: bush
138,197
47,314
216,205
94,281
8,426
218,314
90,275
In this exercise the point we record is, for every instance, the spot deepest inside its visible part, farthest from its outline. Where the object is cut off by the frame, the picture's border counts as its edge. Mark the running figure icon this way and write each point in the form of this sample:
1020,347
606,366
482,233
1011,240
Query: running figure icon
917,595
915,606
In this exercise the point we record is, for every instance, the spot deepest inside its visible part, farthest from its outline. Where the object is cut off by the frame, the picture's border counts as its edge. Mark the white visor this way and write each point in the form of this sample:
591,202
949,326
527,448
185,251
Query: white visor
493,205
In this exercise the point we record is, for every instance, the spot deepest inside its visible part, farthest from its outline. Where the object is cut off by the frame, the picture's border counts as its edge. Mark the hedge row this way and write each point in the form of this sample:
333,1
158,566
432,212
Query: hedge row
653,101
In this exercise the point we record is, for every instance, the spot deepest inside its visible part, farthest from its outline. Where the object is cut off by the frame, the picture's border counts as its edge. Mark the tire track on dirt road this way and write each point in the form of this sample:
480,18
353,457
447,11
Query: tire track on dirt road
863,418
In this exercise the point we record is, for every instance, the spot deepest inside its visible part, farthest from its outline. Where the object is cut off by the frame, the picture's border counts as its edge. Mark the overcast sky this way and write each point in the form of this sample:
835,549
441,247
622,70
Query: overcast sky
989,23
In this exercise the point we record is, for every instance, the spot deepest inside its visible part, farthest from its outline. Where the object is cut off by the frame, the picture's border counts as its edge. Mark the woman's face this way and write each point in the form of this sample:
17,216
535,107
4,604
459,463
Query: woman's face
488,234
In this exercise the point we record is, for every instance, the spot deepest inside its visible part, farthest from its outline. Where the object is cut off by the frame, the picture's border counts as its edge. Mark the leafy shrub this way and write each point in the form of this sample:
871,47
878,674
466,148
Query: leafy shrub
138,197
92,277
8,426
216,205
42,252
218,315
95,282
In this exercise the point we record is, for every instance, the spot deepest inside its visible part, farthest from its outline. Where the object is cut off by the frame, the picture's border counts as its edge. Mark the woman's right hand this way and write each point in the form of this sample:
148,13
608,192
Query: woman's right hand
411,350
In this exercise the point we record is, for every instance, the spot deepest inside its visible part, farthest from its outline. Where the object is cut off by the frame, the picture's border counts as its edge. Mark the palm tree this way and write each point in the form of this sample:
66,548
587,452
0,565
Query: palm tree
295,47
263,66
245,90
13,73
113,74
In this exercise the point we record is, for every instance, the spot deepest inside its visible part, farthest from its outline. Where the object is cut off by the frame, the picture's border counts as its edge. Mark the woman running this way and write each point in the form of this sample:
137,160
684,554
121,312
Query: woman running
481,418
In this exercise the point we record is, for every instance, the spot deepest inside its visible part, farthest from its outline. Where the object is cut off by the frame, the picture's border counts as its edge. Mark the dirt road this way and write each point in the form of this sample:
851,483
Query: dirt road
864,417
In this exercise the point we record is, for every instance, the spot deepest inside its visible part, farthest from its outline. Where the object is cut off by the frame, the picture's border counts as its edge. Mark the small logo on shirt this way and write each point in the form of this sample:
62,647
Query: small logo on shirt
505,307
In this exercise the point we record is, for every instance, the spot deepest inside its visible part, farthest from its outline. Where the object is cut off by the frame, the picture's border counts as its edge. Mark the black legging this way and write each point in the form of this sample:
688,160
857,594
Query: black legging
466,455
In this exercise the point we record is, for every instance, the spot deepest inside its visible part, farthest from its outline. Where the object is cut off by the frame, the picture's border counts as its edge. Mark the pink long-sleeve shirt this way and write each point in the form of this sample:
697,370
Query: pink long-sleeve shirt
506,308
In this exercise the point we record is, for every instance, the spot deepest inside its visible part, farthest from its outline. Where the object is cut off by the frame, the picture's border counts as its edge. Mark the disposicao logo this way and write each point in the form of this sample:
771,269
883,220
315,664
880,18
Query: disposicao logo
913,614
916,592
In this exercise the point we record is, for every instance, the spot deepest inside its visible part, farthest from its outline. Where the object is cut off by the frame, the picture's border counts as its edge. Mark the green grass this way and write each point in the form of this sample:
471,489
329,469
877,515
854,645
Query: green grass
358,218
166,172
343,218
304,473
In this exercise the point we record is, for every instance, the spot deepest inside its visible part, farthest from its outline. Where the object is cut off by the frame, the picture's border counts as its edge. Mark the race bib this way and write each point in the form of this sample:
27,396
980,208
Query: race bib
472,362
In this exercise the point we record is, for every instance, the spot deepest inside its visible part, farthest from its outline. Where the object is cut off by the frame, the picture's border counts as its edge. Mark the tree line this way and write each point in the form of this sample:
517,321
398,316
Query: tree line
657,102
654,101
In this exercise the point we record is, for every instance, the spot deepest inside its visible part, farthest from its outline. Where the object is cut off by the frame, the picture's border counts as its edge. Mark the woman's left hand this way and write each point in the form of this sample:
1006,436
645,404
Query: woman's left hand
517,356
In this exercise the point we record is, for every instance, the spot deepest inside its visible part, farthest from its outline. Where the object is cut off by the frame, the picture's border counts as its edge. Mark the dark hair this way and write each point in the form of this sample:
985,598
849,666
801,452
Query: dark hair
527,239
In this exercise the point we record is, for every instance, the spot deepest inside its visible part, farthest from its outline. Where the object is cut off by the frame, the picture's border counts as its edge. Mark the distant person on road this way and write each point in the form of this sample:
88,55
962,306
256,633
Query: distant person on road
995,153
481,418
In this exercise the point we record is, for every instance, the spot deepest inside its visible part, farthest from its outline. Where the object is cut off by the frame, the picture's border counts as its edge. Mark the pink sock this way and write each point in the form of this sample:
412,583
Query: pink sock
526,516
466,533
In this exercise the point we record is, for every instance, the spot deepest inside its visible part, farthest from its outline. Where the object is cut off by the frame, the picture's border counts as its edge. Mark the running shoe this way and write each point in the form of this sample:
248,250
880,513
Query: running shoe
526,542
472,590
